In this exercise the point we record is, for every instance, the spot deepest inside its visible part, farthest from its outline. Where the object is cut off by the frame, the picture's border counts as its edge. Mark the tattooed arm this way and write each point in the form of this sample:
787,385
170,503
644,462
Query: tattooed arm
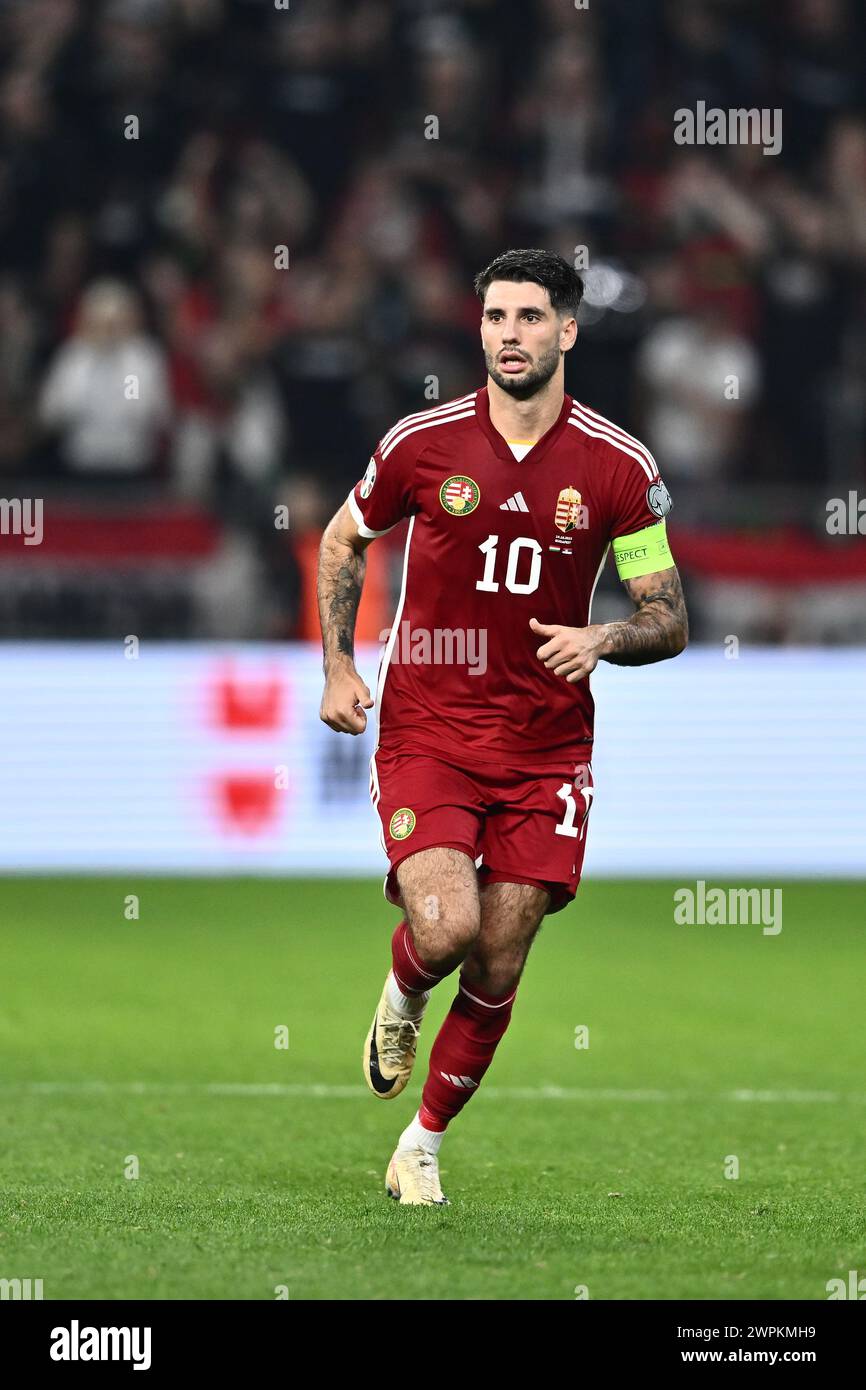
658,629
340,579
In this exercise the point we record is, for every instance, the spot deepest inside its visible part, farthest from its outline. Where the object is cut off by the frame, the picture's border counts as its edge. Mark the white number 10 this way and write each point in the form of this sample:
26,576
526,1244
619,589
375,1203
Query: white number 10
489,585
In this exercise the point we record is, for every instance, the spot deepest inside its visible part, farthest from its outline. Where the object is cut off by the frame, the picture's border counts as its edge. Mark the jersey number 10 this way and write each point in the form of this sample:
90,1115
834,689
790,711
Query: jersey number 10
488,585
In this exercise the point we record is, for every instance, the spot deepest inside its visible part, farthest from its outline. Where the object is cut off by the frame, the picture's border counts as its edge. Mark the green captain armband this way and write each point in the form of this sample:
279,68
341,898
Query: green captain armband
643,552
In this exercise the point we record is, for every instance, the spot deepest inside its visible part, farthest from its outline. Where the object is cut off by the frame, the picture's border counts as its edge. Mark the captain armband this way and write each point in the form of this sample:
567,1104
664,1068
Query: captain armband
643,552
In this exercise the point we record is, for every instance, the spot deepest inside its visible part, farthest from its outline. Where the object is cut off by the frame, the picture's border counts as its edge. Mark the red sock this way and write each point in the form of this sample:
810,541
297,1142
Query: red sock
462,1052
413,976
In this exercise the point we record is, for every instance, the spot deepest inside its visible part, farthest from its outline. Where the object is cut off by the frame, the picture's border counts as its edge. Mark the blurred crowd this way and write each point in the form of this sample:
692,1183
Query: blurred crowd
237,240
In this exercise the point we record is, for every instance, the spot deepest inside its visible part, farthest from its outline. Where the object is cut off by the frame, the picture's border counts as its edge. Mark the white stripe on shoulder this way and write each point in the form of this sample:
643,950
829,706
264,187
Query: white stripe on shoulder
593,423
604,423
424,414
611,439
427,425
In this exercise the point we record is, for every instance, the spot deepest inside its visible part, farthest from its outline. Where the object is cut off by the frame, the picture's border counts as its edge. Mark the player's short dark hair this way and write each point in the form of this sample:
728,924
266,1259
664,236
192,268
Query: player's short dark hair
545,268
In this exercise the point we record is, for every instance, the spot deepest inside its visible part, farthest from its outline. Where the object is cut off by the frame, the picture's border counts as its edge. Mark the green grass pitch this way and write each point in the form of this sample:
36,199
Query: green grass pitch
261,1167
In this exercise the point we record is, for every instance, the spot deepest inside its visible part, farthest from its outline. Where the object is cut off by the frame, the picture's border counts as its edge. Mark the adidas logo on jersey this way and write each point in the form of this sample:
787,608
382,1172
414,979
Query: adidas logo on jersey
464,1082
517,503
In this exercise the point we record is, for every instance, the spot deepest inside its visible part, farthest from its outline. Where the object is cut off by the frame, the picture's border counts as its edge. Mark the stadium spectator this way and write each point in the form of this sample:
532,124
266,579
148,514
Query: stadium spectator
699,378
106,394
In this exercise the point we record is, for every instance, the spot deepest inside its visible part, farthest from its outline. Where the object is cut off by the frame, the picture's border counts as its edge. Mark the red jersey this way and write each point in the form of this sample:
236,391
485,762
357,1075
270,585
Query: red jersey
493,542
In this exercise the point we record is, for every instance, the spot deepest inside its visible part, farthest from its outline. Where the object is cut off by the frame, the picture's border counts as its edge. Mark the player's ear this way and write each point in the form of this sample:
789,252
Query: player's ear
568,334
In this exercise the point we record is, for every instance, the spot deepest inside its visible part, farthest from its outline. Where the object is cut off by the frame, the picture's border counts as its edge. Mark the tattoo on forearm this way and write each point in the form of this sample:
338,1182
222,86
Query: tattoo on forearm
659,628
341,579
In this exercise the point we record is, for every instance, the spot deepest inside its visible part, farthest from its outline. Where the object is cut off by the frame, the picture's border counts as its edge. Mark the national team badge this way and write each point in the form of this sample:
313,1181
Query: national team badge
571,515
402,823
568,509
368,479
459,495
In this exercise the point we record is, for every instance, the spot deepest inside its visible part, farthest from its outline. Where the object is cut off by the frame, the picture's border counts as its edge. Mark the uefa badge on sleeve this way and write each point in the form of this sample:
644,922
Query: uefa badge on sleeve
368,479
658,499
402,823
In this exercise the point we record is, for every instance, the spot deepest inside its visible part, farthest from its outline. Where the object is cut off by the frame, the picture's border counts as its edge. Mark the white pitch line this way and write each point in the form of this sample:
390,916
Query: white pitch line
323,1091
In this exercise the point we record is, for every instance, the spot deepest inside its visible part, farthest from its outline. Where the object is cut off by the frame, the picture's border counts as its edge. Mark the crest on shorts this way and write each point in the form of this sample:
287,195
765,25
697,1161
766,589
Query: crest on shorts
459,495
402,823
368,479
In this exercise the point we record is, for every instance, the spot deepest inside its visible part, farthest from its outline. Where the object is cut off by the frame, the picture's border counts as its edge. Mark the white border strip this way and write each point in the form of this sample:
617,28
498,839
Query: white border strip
358,518
395,627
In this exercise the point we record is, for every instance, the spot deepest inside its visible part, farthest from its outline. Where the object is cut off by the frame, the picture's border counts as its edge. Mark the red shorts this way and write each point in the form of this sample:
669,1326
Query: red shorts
519,826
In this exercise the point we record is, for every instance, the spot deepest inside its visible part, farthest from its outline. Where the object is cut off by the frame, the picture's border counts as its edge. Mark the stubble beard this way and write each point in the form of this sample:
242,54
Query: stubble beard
526,386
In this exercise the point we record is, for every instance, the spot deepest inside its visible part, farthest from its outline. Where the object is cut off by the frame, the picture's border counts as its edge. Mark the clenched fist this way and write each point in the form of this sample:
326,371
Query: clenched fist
344,700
